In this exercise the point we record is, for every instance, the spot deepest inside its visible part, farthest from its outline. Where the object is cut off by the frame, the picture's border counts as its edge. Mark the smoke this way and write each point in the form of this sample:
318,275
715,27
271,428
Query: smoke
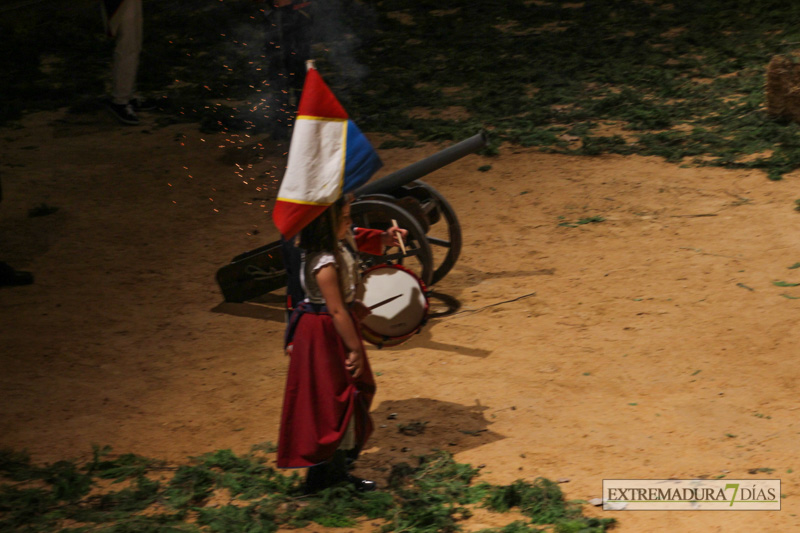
333,22
276,43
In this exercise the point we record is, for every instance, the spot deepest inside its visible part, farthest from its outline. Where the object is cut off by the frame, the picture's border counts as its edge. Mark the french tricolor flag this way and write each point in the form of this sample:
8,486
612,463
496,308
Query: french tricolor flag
329,156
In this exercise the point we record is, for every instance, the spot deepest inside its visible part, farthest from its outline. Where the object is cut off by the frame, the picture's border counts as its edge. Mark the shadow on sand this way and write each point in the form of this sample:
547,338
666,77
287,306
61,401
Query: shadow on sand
271,307
408,428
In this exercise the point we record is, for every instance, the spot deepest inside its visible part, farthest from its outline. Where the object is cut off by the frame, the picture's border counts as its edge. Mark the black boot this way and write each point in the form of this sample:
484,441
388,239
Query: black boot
338,467
11,277
334,472
350,457
317,478
362,485
342,462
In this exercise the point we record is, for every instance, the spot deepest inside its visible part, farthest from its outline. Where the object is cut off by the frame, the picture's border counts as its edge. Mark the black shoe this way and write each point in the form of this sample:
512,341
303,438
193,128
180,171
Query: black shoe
334,472
124,113
140,104
362,485
10,277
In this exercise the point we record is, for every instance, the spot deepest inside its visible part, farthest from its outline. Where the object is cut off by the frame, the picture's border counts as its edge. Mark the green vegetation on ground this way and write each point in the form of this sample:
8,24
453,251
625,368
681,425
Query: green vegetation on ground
226,493
678,79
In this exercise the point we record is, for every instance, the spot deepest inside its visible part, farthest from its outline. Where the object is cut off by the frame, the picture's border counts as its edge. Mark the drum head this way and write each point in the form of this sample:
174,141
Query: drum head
398,319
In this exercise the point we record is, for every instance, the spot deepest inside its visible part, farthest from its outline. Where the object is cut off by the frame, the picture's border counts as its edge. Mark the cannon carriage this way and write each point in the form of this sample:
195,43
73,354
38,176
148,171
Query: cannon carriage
433,244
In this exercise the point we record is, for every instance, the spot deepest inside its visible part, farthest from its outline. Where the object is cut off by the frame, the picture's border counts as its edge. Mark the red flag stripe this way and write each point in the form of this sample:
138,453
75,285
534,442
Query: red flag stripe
317,99
290,217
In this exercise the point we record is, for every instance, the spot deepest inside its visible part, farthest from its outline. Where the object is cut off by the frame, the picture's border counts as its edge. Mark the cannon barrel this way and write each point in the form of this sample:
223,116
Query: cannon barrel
423,167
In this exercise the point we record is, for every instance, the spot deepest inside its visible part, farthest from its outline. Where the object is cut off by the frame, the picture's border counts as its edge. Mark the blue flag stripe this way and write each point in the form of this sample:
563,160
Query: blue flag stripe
361,160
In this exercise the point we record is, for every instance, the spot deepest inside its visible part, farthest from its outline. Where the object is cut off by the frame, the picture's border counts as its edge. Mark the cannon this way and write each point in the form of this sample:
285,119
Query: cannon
434,234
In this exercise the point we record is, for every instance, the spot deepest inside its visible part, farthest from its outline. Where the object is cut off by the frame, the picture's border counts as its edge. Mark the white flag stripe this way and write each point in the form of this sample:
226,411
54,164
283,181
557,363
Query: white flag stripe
316,162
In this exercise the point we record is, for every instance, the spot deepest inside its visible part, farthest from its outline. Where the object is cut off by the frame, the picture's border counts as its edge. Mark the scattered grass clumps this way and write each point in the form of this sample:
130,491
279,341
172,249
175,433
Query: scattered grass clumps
227,493
678,79
683,80
434,496
543,502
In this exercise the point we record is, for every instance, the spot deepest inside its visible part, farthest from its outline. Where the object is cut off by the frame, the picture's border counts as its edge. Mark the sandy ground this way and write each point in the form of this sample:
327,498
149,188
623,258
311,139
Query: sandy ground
656,344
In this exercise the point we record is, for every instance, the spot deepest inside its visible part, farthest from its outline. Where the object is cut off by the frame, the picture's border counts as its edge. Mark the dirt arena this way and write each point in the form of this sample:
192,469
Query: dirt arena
656,344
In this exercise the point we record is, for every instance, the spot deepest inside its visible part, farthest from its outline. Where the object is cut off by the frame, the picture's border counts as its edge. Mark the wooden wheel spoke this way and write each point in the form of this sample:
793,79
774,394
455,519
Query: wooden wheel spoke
437,205
439,242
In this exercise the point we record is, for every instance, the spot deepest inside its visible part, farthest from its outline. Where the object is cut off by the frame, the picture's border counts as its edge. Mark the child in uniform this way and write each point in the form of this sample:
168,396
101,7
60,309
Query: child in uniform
325,420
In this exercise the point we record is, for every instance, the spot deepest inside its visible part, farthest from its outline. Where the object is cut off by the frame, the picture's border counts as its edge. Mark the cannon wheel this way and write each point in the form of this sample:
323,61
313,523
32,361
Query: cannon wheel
378,214
453,241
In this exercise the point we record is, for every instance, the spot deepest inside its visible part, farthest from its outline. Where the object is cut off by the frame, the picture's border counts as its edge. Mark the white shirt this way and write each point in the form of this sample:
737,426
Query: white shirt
348,273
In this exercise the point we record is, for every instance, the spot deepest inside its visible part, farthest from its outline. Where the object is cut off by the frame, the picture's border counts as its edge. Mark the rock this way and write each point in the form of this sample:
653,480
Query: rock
615,506
783,86
416,427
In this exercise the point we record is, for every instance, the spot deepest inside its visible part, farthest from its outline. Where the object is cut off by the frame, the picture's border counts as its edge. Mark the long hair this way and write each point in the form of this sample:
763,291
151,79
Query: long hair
320,234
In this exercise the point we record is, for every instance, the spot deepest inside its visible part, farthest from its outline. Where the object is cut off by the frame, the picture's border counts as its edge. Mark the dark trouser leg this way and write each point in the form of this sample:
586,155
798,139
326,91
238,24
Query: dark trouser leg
327,474
317,478
343,463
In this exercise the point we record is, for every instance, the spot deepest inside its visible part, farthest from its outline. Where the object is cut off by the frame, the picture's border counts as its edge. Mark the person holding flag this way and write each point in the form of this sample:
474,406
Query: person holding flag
325,420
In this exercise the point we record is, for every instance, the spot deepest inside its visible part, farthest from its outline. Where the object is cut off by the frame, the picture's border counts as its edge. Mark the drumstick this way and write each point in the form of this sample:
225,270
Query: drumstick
400,238
384,302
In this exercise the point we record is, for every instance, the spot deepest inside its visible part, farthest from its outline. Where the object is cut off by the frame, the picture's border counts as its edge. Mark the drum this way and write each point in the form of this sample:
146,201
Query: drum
398,300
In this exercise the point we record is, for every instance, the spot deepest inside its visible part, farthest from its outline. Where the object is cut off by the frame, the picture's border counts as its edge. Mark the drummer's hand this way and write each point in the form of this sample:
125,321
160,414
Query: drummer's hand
393,235
360,310
355,362
288,349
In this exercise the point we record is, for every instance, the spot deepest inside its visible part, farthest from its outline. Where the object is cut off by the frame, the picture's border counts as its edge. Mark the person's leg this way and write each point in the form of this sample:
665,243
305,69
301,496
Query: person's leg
127,26
339,473
317,478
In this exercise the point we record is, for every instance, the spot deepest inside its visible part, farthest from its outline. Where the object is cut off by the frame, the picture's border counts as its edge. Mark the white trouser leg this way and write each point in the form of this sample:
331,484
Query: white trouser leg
349,439
126,25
